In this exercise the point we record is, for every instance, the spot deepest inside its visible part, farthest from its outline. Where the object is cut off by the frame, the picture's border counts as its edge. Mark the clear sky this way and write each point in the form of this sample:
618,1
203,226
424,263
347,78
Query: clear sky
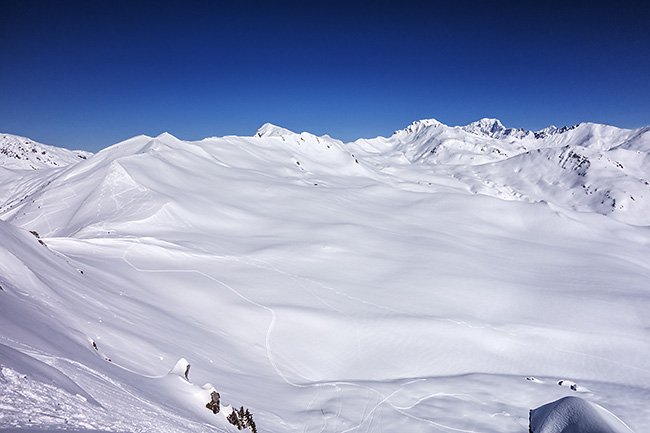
88,74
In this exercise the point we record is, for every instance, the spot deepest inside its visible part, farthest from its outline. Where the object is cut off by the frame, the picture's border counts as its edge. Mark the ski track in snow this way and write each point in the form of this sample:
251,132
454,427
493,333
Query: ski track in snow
198,272
384,399
298,279
366,419
368,415
601,358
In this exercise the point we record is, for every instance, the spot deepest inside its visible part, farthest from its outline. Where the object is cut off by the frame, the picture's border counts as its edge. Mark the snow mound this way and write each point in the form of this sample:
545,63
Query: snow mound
181,368
574,415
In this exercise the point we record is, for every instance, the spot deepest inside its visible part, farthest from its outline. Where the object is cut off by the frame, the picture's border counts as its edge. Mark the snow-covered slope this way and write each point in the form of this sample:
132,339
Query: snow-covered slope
436,280
24,154
575,415
26,165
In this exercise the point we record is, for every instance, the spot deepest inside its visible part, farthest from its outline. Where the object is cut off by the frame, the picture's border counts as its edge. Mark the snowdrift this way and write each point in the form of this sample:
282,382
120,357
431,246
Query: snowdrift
574,415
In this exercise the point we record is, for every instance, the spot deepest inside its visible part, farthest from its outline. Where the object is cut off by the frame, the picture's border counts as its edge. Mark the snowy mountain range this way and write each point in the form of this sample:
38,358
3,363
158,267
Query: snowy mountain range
440,279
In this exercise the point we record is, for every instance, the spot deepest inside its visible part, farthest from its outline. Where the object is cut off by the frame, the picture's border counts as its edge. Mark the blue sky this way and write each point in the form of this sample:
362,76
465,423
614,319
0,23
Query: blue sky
89,74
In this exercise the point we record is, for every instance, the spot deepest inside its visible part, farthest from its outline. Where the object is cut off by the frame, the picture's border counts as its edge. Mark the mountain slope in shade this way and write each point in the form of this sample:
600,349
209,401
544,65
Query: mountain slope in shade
326,286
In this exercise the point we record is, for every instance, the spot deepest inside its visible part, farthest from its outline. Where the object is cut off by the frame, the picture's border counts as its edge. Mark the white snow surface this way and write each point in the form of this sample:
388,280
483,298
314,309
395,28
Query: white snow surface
441,279
575,415
22,153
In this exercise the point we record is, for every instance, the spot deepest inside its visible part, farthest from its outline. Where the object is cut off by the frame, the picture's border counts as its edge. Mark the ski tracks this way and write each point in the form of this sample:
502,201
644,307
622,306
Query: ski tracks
368,413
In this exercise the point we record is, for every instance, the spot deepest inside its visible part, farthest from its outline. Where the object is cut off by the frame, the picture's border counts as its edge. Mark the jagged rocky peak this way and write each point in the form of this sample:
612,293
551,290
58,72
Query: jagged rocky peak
553,130
270,130
24,154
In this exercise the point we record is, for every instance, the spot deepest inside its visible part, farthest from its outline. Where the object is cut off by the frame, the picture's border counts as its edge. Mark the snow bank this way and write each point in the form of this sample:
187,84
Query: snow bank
574,415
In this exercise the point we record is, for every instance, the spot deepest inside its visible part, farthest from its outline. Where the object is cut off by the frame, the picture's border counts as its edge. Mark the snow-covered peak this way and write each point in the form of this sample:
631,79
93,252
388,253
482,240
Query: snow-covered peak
419,125
485,126
166,135
167,139
493,128
24,154
270,130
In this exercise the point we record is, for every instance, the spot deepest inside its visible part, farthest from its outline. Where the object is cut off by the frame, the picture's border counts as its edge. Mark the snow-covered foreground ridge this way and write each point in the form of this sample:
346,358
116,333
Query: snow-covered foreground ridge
441,279
575,415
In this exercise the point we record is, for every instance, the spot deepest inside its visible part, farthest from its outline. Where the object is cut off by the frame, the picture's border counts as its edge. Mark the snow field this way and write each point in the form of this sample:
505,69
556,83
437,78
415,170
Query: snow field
385,298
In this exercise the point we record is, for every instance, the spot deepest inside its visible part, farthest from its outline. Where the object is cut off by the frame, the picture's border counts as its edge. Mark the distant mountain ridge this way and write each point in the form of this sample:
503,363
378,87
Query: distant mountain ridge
586,168
493,128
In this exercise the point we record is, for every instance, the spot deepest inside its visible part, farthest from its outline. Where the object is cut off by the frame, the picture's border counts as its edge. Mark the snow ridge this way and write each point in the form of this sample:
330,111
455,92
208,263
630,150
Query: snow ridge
587,168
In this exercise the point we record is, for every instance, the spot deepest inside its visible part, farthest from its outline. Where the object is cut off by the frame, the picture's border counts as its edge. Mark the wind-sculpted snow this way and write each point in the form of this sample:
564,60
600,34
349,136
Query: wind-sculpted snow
575,415
434,280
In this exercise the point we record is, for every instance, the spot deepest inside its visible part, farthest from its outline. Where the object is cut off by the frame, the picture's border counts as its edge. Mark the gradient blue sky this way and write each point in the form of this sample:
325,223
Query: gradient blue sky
88,74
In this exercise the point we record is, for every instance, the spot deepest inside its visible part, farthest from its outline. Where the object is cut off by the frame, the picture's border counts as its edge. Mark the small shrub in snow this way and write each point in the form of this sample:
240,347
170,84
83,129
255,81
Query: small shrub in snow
234,419
248,417
242,418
